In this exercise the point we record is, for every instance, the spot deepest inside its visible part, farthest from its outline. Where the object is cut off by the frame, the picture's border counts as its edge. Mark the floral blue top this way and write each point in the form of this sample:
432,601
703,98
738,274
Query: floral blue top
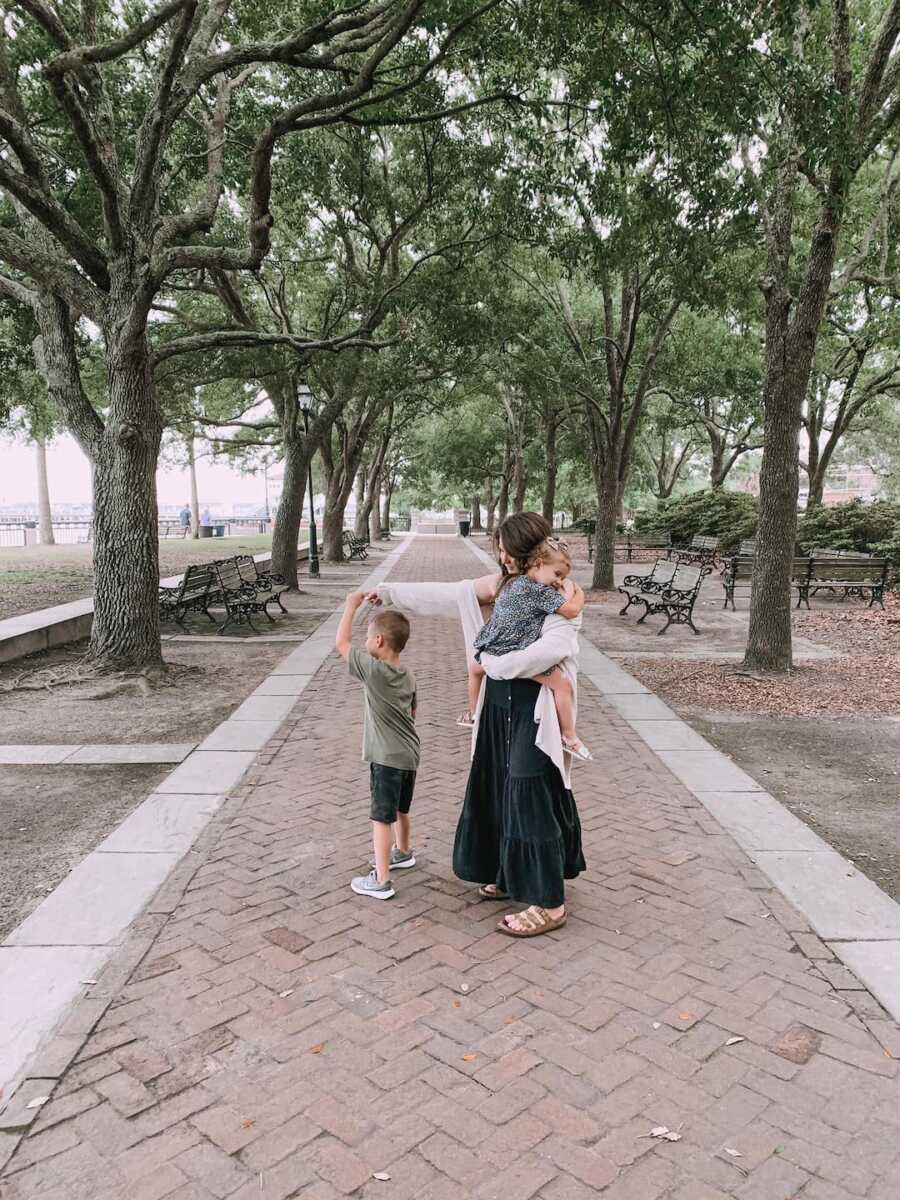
518,616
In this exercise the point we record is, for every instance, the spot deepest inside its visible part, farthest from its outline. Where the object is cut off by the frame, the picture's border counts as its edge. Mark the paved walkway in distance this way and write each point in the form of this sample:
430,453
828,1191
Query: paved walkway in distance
281,1038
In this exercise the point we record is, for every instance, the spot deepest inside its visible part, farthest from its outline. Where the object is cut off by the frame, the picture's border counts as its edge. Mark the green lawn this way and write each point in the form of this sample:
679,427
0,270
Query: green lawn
41,576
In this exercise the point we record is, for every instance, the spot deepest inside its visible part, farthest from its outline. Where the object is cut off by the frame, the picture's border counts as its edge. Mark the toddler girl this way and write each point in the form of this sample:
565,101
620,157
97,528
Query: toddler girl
521,604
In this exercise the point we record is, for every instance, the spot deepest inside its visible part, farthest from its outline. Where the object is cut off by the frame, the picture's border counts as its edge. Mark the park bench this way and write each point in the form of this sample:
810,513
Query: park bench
644,541
703,550
853,574
196,591
241,600
627,541
676,598
659,578
250,573
173,529
356,547
739,573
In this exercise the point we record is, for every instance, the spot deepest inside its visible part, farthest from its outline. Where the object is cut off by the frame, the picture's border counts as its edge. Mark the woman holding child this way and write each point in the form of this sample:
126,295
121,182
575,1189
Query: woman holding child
518,835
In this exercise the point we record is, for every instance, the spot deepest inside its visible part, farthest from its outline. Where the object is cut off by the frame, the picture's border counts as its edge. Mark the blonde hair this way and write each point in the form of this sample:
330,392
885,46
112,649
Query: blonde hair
551,550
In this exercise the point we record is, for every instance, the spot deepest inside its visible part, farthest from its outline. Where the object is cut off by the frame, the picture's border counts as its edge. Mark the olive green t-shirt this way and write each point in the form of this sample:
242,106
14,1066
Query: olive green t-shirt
389,737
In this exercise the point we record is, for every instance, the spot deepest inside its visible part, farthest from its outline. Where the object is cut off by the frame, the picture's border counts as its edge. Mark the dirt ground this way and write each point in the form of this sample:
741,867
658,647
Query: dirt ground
52,819
840,776
53,816
824,739
41,576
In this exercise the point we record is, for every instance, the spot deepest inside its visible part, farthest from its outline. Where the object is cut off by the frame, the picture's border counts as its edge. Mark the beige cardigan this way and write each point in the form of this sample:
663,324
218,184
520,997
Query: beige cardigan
558,644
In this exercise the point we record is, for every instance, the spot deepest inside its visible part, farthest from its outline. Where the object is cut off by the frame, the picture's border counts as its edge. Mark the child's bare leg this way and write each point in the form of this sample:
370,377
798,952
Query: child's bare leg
476,674
402,832
382,836
563,698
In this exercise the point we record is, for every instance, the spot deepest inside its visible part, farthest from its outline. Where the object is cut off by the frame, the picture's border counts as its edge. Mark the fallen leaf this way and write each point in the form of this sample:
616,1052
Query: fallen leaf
686,1016
657,1025
317,1049
469,1057
508,1020
287,992
247,1123
87,982
668,1135
37,1102
463,987
457,1003
734,1153
734,1041
381,1175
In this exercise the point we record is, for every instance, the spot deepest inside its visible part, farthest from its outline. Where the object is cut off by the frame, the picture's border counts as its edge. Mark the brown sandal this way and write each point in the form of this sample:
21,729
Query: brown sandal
538,921
490,891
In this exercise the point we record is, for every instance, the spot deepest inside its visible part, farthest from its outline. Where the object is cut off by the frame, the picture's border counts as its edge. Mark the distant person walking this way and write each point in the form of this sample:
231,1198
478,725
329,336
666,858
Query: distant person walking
205,517
185,517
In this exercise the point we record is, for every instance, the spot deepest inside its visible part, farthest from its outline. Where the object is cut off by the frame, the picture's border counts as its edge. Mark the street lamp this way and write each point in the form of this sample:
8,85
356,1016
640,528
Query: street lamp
304,400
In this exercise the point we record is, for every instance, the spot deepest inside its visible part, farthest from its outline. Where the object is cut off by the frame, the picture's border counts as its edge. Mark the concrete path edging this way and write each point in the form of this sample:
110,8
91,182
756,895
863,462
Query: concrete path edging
850,913
48,960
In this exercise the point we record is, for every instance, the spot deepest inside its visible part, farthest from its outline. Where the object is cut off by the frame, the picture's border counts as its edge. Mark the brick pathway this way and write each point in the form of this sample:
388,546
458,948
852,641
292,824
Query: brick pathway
280,1037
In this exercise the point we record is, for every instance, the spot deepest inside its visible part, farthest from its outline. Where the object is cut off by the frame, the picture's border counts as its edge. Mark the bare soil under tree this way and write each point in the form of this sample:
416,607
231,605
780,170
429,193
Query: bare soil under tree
824,739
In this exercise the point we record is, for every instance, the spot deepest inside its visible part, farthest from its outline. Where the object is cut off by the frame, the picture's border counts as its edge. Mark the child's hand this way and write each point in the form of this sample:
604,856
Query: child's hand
355,600
372,598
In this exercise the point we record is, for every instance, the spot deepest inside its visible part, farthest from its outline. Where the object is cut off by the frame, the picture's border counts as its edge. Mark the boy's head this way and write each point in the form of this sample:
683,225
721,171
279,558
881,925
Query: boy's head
550,563
387,634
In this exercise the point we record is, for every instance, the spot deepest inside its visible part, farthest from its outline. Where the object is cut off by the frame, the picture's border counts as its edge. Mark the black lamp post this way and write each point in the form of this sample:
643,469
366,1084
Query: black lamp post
304,399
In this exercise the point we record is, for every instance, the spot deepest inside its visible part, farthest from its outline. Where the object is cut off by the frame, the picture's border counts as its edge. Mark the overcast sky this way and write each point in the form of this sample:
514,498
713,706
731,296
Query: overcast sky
70,478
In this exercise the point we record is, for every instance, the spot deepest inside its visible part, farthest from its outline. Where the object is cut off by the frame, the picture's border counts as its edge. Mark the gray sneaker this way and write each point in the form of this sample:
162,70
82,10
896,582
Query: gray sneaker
368,885
401,860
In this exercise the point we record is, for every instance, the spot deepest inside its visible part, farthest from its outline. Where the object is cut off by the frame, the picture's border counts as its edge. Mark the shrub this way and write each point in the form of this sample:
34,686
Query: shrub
869,528
730,516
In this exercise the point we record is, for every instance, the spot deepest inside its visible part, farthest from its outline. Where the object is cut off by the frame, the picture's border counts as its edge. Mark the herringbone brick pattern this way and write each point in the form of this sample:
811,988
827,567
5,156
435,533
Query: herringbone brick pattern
283,1038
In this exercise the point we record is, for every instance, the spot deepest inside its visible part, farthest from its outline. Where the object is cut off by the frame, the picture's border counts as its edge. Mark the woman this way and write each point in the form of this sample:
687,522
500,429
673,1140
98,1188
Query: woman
518,835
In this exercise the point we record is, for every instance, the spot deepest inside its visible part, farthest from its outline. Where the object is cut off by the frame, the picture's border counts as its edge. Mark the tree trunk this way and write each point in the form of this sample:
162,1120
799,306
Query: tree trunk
816,490
195,495
386,497
717,471
333,520
790,345
361,522
476,513
552,467
605,544
490,504
375,510
45,518
521,482
125,633
286,534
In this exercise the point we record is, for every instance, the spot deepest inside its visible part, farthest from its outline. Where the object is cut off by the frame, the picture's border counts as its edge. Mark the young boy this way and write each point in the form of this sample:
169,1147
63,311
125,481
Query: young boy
390,741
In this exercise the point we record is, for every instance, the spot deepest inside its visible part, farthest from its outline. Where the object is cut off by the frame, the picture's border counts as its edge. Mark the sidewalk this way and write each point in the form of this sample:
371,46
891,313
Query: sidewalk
273,1036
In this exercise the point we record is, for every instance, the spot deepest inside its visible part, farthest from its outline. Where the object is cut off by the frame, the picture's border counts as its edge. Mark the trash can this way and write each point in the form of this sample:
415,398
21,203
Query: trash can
205,531
464,527
218,530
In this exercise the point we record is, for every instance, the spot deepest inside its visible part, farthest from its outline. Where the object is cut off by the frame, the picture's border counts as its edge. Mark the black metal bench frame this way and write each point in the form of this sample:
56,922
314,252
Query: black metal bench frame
357,546
874,587
677,602
241,600
195,593
703,550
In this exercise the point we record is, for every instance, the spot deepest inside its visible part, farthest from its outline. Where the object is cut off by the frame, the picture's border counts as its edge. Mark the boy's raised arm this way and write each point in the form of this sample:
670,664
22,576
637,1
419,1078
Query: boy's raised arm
343,639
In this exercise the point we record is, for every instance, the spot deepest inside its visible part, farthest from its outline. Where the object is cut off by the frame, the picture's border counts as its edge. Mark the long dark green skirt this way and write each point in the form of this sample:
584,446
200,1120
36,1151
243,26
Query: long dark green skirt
519,826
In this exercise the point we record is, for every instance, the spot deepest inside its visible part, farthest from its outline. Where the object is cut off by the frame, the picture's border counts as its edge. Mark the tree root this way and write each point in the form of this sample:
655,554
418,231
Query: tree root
84,672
